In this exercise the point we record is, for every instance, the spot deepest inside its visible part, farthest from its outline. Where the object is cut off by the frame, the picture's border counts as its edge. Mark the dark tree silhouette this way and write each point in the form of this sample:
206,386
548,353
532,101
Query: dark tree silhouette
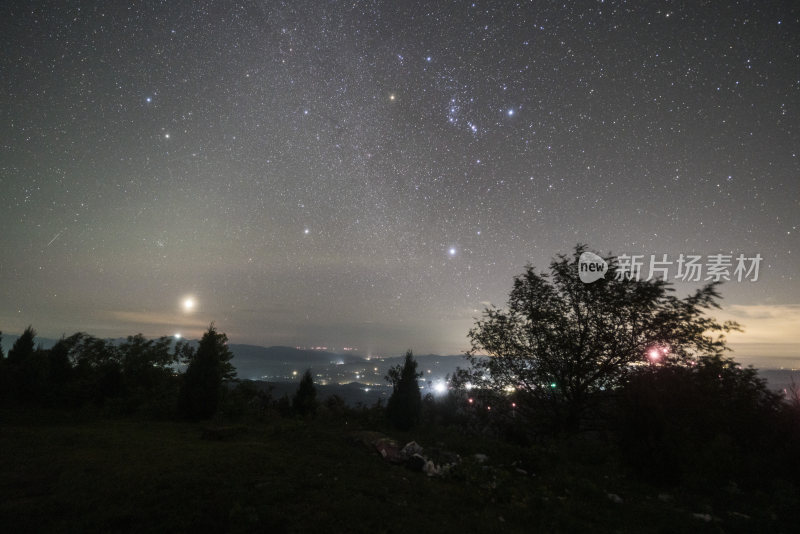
561,341
147,371
405,404
96,368
26,369
60,366
305,400
3,372
708,423
207,369
23,347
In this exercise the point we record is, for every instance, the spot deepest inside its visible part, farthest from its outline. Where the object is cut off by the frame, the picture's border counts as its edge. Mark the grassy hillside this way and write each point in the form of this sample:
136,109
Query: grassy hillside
67,473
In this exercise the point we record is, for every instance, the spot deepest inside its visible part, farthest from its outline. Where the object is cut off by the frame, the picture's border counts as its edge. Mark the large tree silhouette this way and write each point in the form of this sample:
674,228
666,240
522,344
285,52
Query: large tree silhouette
305,399
560,341
203,381
405,404
23,347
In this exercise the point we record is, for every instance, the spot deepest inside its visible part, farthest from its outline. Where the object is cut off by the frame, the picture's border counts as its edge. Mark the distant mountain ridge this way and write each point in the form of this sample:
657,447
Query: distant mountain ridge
280,363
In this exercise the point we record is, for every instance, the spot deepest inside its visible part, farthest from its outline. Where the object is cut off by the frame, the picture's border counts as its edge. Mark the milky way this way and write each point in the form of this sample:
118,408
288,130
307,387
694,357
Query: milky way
374,174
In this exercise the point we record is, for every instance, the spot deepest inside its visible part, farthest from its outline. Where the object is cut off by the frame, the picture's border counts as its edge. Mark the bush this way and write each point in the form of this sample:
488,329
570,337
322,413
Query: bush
711,423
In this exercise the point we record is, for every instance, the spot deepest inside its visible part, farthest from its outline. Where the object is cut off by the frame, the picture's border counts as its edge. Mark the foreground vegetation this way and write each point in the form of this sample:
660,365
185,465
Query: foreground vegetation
80,472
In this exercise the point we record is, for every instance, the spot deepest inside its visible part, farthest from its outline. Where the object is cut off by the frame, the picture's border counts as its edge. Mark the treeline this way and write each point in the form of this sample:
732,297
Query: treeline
160,378
138,375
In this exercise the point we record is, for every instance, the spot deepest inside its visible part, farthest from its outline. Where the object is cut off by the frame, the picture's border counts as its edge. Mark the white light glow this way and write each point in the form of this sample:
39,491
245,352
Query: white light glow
189,304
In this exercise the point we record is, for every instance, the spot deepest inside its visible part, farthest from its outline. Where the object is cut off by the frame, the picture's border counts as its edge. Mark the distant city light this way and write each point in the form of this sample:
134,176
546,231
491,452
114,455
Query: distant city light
657,353
177,335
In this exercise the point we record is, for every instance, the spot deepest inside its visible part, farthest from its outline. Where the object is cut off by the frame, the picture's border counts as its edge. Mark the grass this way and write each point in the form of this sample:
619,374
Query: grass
62,472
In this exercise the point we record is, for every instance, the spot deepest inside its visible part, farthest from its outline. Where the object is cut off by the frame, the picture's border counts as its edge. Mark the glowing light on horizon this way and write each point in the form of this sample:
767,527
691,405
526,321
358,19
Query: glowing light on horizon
657,353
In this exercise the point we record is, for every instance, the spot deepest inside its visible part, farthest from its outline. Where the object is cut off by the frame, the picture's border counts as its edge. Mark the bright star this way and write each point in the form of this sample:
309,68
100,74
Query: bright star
510,112
306,231
189,304
148,99
452,251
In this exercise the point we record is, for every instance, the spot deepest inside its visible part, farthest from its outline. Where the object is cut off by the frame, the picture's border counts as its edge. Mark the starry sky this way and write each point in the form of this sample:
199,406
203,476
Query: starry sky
373,174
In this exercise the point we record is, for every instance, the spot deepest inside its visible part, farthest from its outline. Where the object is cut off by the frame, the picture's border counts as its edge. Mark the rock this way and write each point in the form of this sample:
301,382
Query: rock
431,469
411,448
389,449
613,497
665,497
703,517
480,457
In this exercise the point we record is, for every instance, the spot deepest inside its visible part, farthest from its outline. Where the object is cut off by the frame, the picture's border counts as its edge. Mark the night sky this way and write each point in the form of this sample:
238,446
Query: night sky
373,174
